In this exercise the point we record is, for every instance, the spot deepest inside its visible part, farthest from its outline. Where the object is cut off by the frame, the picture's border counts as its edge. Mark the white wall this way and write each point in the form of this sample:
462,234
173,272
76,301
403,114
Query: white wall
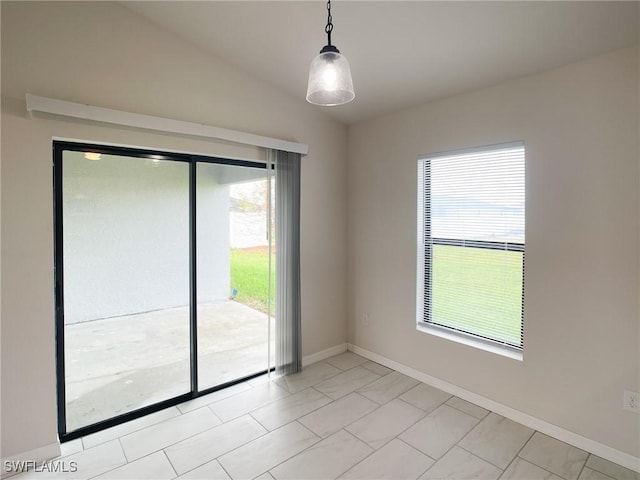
212,236
580,126
102,54
126,236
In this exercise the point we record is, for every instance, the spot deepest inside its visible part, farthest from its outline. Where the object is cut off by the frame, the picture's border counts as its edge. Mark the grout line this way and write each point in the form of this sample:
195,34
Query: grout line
357,419
126,462
636,474
517,456
410,426
507,468
320,439
170,463
122,448
267,433
373,451
221,466
584,465
222,423
452,446
216,416
460,410
422,453
182,439
136,429
259,423
429,412
299,416
522,448
542,468
478,456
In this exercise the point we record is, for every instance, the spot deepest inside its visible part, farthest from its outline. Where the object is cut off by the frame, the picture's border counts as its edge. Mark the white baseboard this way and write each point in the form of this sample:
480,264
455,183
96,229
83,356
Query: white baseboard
38,455
321,355
591,446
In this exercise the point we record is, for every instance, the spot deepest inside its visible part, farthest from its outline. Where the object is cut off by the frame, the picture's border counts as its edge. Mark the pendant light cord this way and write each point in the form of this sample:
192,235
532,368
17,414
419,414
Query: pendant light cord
329,28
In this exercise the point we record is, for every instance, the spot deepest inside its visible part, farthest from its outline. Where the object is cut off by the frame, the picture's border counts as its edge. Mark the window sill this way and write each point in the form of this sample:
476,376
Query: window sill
471,341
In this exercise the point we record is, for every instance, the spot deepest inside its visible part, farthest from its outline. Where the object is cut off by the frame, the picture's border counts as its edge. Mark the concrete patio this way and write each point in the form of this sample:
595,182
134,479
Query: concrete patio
118,364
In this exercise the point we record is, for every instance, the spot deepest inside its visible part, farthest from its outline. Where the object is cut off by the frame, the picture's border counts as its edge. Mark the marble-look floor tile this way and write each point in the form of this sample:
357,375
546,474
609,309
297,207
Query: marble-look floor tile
264,453
148,440
254,382
611,469
308,377
287,409
496,439
388,387
520,469
588,474
213,397
306,434
212,443
439,431
336,415
69,448
346,382
265,476
425,397
245,402
326,459
376,368
152,467
209,471
382,425
346,360
129,427
458,464
395,461
88,463
555,456
467,407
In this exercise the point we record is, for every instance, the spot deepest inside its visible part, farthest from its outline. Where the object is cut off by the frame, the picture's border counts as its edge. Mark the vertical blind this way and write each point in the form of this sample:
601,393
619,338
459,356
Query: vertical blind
288,340
471,218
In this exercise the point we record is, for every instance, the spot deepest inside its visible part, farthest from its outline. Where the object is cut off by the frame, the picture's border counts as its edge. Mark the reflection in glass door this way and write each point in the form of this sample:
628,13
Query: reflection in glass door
234,292
125,245
163,283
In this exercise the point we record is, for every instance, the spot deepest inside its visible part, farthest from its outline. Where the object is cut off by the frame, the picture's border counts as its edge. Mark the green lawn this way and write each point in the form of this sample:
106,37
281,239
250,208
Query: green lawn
249,272
466,285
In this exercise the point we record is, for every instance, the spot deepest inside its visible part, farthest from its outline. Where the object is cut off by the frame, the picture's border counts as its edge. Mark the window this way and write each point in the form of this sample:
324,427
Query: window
471,238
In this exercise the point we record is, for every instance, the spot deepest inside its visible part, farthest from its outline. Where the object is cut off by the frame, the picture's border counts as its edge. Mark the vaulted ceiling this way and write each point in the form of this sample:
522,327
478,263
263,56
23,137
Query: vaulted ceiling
401,53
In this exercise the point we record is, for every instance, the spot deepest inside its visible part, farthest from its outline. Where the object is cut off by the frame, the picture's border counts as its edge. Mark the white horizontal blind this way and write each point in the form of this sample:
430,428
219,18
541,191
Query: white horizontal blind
472,208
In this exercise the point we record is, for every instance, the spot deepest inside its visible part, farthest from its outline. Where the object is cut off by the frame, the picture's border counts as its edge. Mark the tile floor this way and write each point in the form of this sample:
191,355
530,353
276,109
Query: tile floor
345,417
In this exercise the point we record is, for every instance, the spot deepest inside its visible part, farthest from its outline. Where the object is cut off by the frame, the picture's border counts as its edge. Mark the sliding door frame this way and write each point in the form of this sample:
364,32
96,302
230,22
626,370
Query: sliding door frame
58,148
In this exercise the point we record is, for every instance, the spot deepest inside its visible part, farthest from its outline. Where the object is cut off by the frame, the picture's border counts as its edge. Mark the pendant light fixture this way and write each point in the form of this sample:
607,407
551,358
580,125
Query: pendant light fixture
330,76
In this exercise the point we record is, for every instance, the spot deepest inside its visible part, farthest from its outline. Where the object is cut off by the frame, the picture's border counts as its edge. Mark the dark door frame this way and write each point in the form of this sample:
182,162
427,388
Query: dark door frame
58,148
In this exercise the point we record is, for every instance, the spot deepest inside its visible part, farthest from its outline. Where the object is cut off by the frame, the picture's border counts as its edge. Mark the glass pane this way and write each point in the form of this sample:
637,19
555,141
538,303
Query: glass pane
479,196
478,291
233,265
126,284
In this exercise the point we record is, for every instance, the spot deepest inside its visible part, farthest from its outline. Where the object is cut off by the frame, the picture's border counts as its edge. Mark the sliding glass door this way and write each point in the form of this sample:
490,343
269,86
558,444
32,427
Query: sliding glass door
162,280
234,294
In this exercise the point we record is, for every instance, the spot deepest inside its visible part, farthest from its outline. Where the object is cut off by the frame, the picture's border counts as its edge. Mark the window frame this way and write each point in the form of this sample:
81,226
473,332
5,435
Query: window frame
425,254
